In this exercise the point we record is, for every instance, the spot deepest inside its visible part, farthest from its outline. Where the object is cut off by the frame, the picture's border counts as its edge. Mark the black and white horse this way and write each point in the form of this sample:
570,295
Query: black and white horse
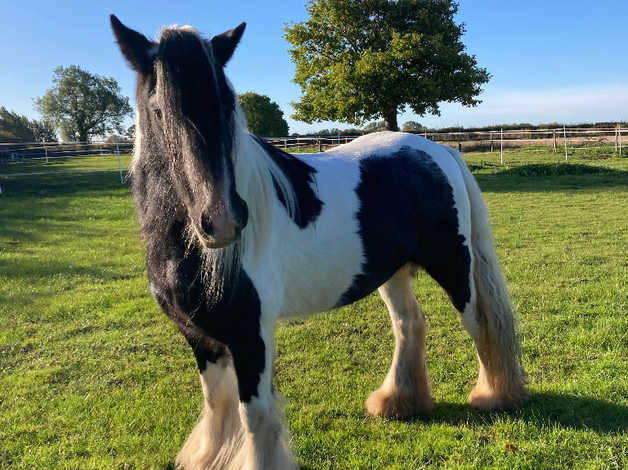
239,234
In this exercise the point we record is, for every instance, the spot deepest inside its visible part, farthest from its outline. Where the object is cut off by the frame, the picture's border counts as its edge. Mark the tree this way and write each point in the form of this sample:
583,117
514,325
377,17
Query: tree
412,126
17,127
83,105
374,126
264,117
130,132
356,61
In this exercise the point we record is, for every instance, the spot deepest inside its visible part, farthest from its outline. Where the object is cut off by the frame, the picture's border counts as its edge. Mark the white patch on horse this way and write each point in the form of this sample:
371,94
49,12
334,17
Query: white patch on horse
310,268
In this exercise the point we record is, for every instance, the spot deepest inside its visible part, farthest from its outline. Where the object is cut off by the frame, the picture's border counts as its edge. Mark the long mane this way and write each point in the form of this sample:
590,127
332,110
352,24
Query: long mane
258,179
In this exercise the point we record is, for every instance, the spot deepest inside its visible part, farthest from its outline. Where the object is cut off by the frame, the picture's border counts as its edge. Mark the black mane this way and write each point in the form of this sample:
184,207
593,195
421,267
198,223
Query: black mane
197,86
301,177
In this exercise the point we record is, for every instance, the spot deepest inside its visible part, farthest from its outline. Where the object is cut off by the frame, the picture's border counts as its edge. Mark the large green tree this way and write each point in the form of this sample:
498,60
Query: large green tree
83,105
263,116
16,127
357,61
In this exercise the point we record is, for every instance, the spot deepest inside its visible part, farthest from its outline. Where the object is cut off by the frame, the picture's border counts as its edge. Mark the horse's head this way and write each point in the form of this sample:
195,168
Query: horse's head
186,124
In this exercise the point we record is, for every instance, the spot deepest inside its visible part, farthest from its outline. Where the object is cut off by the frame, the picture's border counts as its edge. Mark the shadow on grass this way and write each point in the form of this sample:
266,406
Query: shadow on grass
34,206
549,177
31,270
61,184
171,466
543,409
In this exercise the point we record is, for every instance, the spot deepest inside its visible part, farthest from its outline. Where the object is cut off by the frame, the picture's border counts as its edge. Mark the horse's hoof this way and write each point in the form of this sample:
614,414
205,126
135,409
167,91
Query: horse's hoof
387,404
484,398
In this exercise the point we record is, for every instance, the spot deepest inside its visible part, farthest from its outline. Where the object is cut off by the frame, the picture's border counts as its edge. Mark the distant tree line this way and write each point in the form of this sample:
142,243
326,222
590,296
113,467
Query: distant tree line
528,126
414,127
16,127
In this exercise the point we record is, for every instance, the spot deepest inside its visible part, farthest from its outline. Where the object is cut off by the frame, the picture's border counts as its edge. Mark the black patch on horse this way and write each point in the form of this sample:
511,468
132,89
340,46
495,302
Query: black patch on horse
208,324
198,89
301,175
197,99
408,214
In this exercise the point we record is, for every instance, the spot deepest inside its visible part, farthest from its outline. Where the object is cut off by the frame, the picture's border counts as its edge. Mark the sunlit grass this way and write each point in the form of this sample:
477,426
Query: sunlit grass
71,164
93,375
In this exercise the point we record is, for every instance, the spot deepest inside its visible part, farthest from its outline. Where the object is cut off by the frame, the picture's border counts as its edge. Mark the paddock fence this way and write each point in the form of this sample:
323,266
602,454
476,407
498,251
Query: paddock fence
561,139
20,159
114,156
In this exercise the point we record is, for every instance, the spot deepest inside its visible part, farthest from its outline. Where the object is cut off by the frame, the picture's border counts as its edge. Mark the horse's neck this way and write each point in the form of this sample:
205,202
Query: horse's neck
255,186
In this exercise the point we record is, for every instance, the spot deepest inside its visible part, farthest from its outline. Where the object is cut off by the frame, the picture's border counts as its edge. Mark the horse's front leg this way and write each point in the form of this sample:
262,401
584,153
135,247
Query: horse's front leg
265,445
217,438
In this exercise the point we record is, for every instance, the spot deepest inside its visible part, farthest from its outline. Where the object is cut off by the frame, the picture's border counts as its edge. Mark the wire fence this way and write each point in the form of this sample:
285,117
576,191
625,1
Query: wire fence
18,157
559,139
49,151
564,140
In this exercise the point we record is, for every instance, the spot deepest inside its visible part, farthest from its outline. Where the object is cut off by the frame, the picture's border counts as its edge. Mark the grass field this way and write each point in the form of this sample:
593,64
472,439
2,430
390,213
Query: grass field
65,165
93,375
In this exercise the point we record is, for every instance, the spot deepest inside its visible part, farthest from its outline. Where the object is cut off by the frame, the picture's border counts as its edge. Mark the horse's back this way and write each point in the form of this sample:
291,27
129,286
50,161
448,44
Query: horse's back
387,199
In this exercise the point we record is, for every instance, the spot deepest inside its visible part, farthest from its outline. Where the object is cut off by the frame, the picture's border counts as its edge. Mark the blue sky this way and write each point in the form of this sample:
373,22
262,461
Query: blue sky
552,60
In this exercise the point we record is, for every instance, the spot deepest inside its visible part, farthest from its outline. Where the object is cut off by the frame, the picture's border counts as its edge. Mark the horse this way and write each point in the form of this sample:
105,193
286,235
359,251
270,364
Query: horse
239,233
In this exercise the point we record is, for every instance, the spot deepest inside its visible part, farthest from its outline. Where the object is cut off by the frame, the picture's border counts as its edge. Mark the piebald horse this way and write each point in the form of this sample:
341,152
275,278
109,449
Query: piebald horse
239,233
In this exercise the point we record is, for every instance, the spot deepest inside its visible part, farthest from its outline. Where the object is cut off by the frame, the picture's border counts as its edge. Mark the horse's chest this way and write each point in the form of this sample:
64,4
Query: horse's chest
176,282
185,293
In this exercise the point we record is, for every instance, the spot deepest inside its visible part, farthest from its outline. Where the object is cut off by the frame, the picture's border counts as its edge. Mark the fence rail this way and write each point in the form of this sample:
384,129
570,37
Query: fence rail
20,152
574,139
559,139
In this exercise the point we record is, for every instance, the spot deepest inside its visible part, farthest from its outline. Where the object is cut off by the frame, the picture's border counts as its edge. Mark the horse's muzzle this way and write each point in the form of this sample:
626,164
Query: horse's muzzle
220,229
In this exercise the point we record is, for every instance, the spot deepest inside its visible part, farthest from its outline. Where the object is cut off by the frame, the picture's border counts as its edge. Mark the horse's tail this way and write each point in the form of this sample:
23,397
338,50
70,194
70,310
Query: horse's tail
502,383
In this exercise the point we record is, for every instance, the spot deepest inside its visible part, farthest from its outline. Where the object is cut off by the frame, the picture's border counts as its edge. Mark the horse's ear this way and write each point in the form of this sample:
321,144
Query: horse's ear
224,44
134,46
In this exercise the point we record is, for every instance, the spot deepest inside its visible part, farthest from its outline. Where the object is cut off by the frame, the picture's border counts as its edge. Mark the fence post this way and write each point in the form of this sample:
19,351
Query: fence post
119,163
459,143
46,151
320,148
616,140
565,138
554,132
491,138
285,144
501,146
620,150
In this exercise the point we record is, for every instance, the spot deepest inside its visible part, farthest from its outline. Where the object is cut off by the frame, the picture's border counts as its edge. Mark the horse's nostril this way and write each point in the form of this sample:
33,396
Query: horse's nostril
206,225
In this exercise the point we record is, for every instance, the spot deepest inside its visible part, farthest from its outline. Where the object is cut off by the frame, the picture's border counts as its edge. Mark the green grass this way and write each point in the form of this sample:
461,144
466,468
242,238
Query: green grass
73,164
93,375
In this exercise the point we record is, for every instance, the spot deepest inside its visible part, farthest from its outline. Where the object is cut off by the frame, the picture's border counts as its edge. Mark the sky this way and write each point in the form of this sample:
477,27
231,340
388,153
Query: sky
551,61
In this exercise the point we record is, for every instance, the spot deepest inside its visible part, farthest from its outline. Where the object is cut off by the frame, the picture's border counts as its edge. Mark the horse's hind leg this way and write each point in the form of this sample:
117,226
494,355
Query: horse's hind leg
405,391
218,435
489,319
